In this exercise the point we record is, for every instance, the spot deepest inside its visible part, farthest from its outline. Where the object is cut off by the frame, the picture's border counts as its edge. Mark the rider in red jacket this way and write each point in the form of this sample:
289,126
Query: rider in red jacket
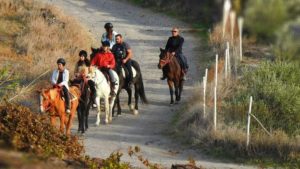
105,61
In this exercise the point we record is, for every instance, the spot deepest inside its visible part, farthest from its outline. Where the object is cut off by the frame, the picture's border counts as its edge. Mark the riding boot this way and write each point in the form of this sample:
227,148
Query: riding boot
93,92
164,74
67,99
112,88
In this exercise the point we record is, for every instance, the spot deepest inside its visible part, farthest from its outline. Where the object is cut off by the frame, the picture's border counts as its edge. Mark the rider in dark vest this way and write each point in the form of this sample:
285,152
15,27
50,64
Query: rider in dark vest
174,45
123,55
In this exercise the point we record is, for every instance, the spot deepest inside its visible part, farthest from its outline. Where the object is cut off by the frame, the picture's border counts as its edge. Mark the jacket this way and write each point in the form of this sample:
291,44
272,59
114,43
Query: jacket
65,79
104,60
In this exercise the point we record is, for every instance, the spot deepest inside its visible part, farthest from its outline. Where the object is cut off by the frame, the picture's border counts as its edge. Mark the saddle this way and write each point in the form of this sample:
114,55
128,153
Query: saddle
124,71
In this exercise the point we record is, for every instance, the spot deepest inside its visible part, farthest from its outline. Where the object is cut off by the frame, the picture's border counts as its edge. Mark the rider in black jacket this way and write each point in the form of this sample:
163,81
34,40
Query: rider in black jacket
174,45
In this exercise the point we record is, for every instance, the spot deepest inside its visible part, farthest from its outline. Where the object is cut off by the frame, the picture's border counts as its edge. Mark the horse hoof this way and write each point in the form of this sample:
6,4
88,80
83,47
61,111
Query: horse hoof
97,124
119,114
131,107
135,112
106,121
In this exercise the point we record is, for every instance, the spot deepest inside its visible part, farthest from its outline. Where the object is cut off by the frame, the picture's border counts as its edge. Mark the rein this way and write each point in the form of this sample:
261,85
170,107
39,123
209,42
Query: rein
166,60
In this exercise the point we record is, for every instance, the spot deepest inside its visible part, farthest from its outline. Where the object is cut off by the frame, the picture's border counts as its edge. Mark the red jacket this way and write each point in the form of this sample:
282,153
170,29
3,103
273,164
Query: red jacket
106,60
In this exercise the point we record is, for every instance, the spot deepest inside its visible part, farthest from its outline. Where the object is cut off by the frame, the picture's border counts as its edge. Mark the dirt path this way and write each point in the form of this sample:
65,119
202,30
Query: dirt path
145,31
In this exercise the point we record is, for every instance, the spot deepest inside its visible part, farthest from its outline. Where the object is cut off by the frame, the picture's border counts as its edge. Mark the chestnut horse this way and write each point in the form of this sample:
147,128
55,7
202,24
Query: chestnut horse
172,69
52,102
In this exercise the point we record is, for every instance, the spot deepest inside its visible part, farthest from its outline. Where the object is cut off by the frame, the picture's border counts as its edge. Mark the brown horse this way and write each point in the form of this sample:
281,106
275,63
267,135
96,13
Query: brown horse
171,68
52,102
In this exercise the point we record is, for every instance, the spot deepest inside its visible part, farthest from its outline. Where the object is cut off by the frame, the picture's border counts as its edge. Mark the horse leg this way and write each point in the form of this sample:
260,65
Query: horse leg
176,84
129,92
180,89
62,122
79,118
136,96
98,110
119,104
87,112
106,102
52,120
170,83
74,106
111,105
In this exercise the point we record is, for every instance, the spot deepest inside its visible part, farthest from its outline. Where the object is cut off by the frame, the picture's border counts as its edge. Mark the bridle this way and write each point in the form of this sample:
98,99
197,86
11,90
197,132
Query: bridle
166,60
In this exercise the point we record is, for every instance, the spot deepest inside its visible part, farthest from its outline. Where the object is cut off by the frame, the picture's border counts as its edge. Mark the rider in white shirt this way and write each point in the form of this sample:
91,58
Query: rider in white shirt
109,35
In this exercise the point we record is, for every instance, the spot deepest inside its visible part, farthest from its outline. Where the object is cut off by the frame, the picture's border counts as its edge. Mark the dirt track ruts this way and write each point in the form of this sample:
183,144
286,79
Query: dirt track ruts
145,31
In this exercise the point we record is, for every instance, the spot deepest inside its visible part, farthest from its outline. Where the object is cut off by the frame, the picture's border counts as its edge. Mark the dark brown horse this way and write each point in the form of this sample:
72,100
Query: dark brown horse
170,65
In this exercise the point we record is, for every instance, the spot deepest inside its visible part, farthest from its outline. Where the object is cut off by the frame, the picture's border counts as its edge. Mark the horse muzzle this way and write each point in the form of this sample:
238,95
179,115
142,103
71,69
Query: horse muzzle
159,66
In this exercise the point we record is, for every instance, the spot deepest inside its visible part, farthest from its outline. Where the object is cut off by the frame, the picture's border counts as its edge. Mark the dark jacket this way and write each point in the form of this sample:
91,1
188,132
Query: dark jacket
174,44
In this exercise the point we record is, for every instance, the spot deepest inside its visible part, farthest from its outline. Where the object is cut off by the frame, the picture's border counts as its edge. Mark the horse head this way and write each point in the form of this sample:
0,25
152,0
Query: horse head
47,97
94,52
164,58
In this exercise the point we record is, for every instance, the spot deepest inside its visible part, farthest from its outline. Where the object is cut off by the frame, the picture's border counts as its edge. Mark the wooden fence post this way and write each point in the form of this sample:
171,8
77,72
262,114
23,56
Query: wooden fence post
240,23
248,122
215,108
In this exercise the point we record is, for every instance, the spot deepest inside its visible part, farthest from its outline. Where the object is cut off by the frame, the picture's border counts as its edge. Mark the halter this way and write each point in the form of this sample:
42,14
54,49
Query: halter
166,60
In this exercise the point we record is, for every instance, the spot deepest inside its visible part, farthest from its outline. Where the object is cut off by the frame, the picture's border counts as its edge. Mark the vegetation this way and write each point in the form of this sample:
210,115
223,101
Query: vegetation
33,37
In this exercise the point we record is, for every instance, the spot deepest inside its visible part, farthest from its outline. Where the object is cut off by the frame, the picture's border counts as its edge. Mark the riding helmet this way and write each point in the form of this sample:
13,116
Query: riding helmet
61,60
108,25
105,43
83,53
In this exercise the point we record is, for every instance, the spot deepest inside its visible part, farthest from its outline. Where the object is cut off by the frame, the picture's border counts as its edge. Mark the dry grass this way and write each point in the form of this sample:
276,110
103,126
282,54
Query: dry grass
230,138
33,36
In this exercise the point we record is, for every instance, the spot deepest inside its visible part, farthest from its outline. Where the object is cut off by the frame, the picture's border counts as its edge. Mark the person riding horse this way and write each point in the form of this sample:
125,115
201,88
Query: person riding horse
84,62
174,45
109,35
60,78
123,54
105,61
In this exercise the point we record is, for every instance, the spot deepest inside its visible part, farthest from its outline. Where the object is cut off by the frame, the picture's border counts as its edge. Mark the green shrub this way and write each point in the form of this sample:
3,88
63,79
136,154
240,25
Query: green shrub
287,47
264,17
8,81
275,88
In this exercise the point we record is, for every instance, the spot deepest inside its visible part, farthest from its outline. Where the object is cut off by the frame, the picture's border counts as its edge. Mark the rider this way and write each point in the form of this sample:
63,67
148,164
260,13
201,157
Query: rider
105,61
109,35
60,78
174,45
84,62
123,54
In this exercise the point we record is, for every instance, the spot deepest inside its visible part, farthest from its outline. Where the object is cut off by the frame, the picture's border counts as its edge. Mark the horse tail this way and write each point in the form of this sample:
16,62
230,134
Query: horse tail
141,89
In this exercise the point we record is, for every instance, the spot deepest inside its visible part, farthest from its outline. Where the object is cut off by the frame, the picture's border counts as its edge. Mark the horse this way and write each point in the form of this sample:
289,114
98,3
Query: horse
139,91
103,90
51,101
84,101
171,67
138,86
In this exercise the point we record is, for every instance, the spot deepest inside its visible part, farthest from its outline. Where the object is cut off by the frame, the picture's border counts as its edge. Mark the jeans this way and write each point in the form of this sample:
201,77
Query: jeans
129,69
66,96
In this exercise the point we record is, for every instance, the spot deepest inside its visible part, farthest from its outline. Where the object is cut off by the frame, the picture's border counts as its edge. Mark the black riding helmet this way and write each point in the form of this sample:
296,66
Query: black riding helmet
61,60
105,43
108,25
83,53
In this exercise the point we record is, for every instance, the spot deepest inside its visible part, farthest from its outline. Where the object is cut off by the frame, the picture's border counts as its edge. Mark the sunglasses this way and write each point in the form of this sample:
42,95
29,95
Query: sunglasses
174,31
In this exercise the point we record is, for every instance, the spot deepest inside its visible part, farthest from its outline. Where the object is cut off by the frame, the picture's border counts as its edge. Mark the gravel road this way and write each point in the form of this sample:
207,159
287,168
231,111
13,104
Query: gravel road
145,31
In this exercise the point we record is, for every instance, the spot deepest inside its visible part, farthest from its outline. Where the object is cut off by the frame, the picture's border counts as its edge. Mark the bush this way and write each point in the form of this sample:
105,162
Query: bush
20,129
288,41
264,17
275,88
